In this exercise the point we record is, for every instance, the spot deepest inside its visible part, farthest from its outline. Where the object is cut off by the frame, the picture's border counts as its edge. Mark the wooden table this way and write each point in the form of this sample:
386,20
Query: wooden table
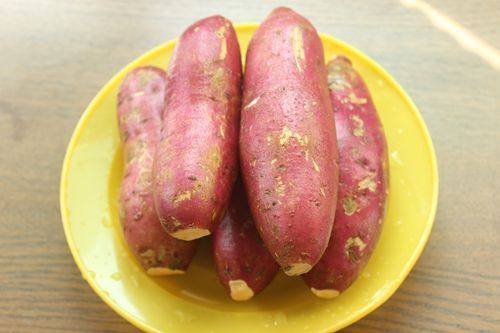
55,56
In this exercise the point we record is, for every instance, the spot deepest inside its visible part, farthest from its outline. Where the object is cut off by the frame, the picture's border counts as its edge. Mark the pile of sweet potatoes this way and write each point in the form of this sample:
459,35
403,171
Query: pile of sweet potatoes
302,137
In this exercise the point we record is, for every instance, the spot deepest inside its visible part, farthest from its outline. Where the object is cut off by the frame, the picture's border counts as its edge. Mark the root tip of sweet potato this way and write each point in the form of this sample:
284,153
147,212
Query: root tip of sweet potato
161,271
325,293
190,234
240,291
297,269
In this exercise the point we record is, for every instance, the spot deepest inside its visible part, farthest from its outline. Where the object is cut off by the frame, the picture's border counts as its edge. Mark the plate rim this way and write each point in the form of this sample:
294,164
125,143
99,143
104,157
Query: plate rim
356,315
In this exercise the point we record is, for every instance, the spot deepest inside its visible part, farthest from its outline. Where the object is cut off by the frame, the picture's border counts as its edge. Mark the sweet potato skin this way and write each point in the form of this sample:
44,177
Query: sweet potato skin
287,141
196,161
362,185
140,105
240,256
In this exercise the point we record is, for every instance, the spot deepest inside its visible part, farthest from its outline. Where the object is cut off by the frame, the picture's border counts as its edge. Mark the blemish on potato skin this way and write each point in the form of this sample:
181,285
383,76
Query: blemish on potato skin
298,47
363,162
287,134
213,160
137,149
359,126
175,221
337,82
163,220
137,215
221,31
344,101
182,196
367,183
315,165
355,100
134,116
221,131
353,248
305,255
218,82
350,205
315,202
223,49
275,230
280,187
281,167
306,155
148,257
252,103
359,243
144,179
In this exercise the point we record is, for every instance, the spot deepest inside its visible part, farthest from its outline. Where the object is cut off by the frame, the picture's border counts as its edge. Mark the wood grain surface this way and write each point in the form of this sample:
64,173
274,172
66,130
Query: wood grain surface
55,55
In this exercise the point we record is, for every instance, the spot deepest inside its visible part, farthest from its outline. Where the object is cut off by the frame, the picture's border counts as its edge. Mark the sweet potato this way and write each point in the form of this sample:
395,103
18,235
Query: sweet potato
362,184
287,141
140,105
243,264
196,161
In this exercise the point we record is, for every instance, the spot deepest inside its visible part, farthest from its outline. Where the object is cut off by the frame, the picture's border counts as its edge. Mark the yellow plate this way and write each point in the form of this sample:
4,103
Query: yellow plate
196,302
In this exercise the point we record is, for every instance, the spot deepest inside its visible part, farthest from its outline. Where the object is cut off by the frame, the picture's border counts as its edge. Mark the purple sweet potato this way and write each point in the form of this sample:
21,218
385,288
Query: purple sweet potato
243,264
140,105
196,161
362,185
288,146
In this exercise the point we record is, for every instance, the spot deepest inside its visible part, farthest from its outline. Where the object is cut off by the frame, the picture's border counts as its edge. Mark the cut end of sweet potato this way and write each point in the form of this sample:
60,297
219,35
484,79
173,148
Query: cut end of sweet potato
190,234
297,269
325,293
162,271
240,291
